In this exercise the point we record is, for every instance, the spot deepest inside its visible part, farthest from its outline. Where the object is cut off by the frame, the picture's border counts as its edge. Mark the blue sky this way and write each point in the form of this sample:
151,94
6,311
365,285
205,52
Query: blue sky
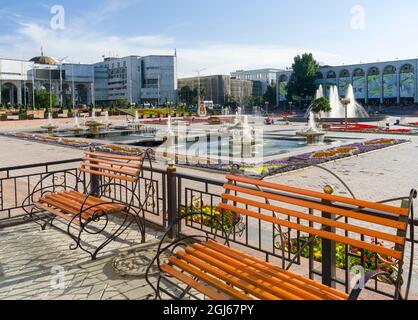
220,35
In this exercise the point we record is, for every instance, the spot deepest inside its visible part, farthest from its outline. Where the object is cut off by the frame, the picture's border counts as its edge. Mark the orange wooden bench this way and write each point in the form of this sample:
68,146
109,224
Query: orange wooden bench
220,272
85,209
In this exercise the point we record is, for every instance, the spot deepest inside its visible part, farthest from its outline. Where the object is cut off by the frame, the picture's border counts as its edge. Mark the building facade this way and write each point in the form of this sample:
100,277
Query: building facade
219,88
262,78
391,82
149,79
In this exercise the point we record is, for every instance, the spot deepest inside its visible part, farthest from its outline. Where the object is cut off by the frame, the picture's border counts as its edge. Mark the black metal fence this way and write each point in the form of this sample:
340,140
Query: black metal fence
171,194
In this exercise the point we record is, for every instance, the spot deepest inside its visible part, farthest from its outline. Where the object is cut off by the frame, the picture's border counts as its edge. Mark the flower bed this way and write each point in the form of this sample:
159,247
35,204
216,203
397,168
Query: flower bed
260,170
302,161
372,261
365,128
212,217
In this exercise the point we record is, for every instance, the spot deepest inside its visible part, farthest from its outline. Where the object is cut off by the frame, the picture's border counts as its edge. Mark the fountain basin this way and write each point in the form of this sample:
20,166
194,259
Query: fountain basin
311,136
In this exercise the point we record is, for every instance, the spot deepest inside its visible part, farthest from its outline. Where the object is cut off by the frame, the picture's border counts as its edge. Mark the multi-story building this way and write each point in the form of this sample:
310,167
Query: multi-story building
391,82
265,77
219,88
150,79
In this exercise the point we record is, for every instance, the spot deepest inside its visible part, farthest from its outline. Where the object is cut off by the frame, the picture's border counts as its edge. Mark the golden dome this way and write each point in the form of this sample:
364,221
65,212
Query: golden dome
44,60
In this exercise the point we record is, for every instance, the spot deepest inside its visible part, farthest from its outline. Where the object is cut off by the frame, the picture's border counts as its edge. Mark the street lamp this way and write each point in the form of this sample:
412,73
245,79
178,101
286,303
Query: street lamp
267,107
290,107
346,102
60,63
198,87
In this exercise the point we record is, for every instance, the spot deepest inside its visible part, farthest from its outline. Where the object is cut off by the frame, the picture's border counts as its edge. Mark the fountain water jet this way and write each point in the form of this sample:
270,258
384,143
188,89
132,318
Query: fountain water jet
50,125
355,110
311,133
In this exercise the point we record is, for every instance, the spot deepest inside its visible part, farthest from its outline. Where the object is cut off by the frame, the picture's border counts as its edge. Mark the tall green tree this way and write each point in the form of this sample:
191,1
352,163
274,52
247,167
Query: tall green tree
302,82
270,95
186,95
44,98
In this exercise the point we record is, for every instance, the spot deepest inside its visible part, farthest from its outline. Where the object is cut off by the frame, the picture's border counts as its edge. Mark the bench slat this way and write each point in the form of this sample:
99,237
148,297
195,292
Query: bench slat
320,233
192,283
321,207
275,271
324,196
320,220
65,208
113,163
56,212
109,168
228,278
114,156
92,201
213,282
109,175
256,276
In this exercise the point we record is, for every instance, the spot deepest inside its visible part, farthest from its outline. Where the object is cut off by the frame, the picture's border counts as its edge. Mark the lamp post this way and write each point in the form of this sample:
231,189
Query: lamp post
198,87
346,102
290,107
50,89
61,96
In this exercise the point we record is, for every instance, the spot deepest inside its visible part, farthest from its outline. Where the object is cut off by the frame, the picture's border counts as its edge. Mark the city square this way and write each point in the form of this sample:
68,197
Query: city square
129,178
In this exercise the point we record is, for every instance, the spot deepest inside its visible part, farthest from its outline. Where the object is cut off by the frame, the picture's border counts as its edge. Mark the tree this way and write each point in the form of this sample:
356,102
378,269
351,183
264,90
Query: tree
44,98
270,95
321,105
302,81
189,96
122,102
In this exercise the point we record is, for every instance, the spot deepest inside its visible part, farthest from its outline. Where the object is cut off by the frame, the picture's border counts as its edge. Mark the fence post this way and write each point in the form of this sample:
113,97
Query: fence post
172,199
328,248
94,180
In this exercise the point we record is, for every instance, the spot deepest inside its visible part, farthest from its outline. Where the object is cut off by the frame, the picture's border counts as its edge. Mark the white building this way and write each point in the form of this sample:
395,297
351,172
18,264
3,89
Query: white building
388,82
265,76
150,79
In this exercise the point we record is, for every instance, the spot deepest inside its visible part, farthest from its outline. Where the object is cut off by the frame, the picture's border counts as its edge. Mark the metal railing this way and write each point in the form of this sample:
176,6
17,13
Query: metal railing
171,194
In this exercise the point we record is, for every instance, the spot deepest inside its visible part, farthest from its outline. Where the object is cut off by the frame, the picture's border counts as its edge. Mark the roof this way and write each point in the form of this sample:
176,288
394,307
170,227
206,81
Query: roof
44,60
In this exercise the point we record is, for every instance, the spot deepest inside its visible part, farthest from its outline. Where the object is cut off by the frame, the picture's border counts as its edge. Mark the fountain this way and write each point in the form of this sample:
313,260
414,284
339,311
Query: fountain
106,121
167,134
94,125
135,124
311,133
77,128
50,126
355,111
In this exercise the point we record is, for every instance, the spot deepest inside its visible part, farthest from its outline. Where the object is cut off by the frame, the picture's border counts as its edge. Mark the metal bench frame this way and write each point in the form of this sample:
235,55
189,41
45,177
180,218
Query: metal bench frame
167,248
98,187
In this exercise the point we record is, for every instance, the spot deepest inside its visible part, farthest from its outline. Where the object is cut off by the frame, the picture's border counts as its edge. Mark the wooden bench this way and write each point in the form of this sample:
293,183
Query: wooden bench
220,272
84,209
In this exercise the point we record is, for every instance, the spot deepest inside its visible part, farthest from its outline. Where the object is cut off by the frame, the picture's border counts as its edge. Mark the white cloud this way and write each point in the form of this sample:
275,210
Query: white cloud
225,58
88,46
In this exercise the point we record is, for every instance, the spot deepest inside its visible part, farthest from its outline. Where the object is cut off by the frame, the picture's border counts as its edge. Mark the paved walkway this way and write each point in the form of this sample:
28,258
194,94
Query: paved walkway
27,255
38,265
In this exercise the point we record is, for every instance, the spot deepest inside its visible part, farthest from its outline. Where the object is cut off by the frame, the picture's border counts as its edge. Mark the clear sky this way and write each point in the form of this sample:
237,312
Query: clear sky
219,35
